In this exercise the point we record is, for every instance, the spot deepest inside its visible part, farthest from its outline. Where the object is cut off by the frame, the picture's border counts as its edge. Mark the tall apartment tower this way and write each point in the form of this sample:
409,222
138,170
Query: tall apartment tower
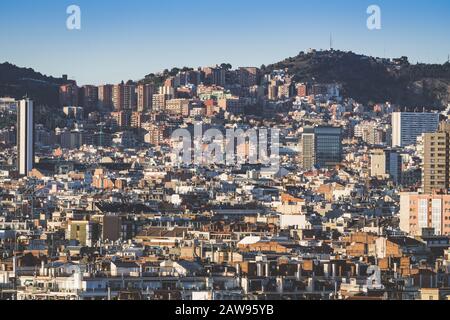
124,97
322,147
145,97
130,98
105,96
118,96
436,160
25,137
308,147
408,126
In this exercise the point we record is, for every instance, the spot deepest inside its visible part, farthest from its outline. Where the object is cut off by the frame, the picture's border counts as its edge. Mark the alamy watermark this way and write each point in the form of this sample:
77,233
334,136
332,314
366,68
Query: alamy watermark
230,147
73,21
374,20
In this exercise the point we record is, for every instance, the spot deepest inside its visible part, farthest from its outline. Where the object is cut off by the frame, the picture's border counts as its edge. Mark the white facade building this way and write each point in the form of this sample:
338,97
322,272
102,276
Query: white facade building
408,126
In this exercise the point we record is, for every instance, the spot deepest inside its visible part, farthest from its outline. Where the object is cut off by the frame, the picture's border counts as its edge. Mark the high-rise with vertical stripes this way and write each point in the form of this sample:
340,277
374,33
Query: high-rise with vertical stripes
25,137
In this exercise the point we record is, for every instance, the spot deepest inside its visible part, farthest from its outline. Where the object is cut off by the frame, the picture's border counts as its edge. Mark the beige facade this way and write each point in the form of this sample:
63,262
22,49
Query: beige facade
423,211
378,164
436,160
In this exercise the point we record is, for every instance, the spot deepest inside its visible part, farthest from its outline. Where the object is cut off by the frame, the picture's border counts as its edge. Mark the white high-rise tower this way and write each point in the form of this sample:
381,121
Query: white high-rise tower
25,137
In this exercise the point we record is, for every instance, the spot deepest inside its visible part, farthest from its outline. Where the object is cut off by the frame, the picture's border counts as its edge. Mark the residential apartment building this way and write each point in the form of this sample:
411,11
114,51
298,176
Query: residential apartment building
177,107
105,96
419,212
144,97
159,102
436,159
386,164
124,97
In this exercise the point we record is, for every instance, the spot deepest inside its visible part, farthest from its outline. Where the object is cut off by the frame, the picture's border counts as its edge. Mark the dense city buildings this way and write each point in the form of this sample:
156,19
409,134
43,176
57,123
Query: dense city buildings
248,76
222,183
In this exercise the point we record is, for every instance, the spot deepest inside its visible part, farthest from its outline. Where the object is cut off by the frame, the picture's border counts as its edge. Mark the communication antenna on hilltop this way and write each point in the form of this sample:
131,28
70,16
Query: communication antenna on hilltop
331,41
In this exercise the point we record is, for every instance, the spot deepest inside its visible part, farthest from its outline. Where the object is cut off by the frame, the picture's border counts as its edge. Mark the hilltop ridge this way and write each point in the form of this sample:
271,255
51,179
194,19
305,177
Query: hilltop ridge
373,80
366,79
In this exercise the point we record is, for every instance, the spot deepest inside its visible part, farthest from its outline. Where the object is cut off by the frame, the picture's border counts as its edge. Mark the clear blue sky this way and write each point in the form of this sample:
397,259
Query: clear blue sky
129,39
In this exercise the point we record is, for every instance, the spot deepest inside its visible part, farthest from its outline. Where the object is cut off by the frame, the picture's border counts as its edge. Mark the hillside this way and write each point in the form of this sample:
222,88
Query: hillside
372,80
367,79
17,82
